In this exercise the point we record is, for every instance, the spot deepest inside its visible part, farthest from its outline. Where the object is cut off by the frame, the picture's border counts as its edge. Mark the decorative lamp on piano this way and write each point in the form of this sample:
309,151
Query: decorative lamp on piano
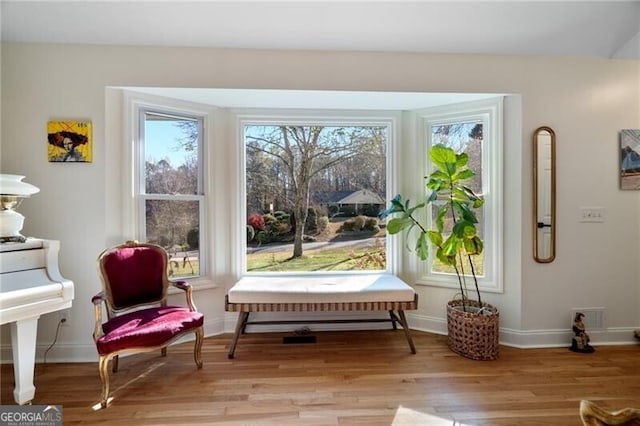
12,191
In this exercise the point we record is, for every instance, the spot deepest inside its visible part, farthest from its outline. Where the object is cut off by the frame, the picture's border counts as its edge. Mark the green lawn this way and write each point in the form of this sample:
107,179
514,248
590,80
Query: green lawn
178,268
317,260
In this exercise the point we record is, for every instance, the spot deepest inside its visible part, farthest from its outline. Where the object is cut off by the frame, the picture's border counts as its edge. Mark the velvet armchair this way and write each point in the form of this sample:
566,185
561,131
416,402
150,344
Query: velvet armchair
134,293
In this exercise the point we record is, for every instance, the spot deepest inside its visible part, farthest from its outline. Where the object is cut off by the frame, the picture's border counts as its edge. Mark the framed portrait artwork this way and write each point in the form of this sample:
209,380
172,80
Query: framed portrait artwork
630,159
69,142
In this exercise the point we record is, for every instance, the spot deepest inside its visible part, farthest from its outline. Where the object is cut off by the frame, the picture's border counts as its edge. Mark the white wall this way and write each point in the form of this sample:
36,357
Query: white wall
586,102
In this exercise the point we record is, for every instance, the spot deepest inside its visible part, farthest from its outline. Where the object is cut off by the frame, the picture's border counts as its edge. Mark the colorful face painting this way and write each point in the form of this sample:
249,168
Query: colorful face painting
69,141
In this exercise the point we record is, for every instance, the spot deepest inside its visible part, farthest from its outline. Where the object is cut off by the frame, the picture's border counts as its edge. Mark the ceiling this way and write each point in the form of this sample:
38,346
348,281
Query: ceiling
313,99
604,29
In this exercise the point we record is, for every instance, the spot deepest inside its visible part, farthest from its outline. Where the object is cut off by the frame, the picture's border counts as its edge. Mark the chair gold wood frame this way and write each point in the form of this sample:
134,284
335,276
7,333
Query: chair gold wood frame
134,291
593,415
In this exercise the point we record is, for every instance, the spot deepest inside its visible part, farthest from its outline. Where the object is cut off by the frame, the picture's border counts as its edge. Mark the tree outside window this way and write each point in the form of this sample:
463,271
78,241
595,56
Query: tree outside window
171,188
298,182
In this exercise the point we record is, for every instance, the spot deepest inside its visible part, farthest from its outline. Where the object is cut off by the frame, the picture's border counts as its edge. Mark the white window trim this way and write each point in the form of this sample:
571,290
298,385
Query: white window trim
133,104
405,152
242,117
491,113
143,197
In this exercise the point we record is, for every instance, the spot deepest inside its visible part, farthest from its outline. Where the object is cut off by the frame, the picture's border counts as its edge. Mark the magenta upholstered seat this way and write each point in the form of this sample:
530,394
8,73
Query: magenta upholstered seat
148,328
134,290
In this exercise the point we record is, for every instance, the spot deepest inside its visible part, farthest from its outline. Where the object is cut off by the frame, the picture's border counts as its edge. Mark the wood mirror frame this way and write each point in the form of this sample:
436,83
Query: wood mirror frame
544,195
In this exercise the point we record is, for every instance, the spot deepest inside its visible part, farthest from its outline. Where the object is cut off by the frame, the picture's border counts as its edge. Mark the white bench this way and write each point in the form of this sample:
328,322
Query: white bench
360,293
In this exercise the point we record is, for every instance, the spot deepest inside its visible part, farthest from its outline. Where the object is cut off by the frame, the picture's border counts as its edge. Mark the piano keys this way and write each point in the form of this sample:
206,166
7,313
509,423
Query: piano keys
30,285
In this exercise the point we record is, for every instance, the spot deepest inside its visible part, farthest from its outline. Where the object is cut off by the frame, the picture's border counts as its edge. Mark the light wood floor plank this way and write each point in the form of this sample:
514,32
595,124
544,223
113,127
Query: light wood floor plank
346,378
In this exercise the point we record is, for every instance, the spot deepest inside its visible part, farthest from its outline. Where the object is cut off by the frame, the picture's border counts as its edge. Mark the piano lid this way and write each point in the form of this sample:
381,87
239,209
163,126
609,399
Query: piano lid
31,286
31,243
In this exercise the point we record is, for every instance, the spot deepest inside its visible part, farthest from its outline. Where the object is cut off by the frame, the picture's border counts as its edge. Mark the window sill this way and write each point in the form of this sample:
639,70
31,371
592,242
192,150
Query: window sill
488,287
197,284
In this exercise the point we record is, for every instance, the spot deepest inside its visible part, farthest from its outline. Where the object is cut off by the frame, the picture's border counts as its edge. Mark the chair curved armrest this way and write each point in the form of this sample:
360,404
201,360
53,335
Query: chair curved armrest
186,287
98,298
182,285
97,309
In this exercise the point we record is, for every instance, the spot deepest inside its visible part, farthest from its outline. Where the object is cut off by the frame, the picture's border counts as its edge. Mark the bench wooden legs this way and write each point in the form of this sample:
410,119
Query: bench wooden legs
393,320
240,327
243,320
407,332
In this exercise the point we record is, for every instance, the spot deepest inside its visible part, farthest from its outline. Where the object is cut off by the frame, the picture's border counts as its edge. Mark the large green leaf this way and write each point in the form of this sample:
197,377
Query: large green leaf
437,184
442,157
463,175
451,246
396,203
466,213
396,206
460,195
446,260
435,237
464,229
462,159
473,245
422,247
397,224
439,174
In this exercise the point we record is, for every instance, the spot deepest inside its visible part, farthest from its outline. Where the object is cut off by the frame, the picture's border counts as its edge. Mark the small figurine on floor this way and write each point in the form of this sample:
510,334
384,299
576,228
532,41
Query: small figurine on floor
580,341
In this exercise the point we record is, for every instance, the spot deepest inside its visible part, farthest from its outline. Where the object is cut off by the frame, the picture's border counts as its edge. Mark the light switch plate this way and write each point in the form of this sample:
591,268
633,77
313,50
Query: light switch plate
591,214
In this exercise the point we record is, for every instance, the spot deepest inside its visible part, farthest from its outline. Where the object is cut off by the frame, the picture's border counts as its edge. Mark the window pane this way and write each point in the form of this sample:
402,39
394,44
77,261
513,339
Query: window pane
174,225
463,137
171,154
312,197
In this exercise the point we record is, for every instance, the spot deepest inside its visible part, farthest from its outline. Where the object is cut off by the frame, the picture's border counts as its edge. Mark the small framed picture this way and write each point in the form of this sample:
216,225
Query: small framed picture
630,159
69,142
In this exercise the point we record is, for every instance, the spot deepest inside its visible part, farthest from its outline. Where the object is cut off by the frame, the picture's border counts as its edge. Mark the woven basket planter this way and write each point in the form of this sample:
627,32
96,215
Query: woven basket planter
471,334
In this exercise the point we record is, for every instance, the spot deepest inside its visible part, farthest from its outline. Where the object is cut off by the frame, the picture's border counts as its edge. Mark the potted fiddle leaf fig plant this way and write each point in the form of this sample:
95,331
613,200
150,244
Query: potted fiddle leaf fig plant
472,324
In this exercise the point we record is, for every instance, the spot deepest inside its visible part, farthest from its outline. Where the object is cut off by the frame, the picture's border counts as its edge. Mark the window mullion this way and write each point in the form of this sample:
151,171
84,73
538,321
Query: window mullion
177,197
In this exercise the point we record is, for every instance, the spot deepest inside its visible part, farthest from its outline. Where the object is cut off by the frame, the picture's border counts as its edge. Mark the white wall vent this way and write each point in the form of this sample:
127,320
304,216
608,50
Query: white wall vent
593,317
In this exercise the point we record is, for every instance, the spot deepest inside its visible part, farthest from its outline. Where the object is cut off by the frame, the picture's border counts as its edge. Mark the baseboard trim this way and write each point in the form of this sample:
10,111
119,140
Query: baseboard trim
523,339
86,352
530,339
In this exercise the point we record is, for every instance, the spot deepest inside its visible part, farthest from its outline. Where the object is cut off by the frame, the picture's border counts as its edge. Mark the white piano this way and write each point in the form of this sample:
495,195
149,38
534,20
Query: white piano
30,285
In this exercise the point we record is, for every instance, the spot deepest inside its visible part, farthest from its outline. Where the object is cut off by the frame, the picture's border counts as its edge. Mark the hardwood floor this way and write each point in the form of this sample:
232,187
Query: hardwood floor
354,377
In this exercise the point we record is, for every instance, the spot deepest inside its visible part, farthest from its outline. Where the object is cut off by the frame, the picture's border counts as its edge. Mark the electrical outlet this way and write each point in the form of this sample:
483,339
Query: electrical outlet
64,316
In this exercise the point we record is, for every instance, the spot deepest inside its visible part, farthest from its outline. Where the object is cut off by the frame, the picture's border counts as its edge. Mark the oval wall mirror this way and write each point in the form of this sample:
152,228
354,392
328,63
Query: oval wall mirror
544,195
